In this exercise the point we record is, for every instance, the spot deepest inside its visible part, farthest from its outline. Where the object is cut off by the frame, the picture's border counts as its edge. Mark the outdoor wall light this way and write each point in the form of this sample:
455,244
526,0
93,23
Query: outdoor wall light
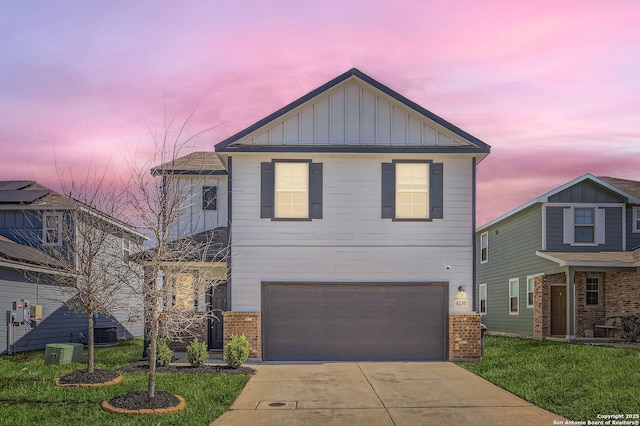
461,289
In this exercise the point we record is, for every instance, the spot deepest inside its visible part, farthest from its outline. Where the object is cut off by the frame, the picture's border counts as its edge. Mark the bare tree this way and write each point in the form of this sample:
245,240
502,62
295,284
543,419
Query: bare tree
178,272
86,240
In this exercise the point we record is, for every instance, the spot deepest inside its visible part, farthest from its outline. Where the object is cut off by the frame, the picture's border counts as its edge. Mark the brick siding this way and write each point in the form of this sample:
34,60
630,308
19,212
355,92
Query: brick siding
618,294
247,323
464,337
542,303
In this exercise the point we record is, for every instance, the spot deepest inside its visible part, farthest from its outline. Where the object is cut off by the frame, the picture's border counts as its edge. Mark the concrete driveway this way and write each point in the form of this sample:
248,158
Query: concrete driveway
415,393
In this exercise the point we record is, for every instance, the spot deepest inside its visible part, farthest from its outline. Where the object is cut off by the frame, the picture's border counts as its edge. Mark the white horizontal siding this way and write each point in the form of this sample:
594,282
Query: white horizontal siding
253,265
352,205
192,219
354,113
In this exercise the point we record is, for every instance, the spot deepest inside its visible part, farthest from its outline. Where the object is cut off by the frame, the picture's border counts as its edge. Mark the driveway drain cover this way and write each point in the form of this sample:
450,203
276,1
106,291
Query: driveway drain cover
277,405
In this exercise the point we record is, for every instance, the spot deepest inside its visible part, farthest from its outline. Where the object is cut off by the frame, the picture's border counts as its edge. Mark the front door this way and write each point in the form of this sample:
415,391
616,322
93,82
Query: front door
217,305
558,310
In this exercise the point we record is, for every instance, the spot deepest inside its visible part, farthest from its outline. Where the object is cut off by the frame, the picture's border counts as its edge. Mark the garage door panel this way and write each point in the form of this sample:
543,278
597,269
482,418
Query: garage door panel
368,322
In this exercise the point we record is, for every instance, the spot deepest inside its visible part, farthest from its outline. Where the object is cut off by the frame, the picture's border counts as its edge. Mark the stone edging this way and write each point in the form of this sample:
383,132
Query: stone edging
169,410
87,385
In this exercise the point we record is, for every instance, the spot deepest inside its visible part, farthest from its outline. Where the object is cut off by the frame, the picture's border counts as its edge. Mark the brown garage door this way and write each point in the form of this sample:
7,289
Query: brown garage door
354,322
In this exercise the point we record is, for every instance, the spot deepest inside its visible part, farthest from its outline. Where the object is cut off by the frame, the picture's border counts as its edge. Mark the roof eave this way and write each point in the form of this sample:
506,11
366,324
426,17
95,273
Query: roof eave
225,145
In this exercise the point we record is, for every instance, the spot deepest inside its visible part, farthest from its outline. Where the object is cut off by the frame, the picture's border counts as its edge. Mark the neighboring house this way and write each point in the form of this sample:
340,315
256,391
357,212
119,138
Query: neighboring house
351,215
200,179
30,219
563,263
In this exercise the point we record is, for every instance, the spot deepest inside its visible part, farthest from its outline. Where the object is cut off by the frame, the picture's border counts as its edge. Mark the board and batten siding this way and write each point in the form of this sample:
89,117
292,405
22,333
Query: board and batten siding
193,219
354,114
58,324
351,243
512,247
613,230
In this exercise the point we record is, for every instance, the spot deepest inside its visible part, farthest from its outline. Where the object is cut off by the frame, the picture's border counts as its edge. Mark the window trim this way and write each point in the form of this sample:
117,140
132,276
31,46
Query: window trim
213,205
267,190
480,299
635,219
275,189
593,225
532,279
427,163
484,256
435,191
587,291
517,296
59,217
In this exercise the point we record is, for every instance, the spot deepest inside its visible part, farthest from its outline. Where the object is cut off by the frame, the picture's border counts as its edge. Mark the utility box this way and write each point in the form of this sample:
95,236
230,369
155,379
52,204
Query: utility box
36,313
77,352
58,353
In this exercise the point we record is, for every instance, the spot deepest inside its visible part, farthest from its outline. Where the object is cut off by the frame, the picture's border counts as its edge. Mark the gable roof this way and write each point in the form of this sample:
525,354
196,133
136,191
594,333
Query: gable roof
631,187
443,136
605,182
196,163
20,256
31,195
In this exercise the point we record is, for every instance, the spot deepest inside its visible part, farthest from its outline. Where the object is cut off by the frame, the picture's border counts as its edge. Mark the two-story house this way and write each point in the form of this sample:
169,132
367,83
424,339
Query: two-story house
563,263
351,215
32,224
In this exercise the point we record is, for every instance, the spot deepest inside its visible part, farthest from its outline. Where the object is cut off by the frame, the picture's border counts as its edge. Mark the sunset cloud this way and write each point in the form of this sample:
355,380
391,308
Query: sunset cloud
551,86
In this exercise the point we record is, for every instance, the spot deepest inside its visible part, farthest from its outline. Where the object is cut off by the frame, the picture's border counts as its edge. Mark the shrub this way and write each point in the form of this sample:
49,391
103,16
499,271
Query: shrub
237,351
630,327
197,353
164,354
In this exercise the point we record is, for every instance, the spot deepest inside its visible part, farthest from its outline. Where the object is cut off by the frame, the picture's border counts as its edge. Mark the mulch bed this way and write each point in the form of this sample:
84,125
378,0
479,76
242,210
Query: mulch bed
84,377
139,400
143,367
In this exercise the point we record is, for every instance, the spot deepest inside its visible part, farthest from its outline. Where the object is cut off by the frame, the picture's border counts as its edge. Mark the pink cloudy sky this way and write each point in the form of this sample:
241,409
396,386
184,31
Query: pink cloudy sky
552,86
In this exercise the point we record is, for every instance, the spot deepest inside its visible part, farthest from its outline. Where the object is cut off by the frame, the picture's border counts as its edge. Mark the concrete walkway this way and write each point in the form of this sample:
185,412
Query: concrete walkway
429,393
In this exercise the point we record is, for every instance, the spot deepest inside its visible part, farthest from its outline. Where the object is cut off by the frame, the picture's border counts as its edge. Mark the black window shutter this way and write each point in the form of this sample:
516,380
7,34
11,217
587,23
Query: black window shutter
267,190
388,190
315,190
436,191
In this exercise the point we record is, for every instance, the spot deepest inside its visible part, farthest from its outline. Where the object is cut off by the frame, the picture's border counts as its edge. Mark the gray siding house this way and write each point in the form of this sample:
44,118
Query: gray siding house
351,219
30,216
564,263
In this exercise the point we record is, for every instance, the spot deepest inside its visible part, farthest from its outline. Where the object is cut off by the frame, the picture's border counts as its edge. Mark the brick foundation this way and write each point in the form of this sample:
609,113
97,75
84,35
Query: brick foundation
247,323
464,337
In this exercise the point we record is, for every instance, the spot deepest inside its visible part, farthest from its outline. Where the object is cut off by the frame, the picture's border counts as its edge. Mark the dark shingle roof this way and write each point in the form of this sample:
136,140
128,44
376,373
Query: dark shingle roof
631,187
25,254
196,163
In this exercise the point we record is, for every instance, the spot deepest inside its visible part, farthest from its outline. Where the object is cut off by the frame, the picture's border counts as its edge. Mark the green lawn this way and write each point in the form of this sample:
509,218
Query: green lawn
576,381
28,396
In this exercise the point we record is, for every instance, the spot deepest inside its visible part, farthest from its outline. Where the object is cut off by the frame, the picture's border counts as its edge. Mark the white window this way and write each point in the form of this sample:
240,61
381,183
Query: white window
584,225
593,293
484,247
530,291
52,229
291,190
412,190
482,296
636,219
514,296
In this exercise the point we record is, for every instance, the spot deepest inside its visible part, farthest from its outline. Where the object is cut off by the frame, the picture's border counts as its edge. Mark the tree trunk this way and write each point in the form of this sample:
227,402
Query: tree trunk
90,343
153,344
